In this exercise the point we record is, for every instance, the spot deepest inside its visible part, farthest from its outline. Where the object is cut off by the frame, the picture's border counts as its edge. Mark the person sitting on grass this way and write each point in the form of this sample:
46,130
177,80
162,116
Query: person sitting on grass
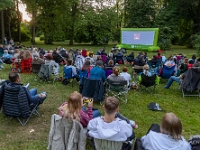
169,137
33,97
112,126
72,109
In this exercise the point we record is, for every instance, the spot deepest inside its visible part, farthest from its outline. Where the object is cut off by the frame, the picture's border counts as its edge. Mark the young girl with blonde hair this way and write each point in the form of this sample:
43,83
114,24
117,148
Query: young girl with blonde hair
72,109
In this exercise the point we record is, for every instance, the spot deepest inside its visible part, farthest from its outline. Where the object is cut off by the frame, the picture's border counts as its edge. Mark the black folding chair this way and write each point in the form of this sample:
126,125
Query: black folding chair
147,82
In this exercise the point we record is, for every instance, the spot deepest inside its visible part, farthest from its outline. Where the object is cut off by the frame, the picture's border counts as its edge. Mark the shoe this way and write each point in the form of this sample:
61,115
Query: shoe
135,126
166,87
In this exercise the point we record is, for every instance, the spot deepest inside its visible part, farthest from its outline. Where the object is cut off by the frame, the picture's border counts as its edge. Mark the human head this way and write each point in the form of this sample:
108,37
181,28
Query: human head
111,105
186,61
14,77
124,69
158,54
69,62
27,54
171,125
73,107
90,54
48,56
146,67
99,63
16,51
87,63
116,70
154,57
5,51
99,57
110,63
194,57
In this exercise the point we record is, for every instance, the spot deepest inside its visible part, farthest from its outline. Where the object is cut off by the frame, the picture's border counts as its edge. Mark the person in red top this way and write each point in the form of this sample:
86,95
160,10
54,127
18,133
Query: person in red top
159,56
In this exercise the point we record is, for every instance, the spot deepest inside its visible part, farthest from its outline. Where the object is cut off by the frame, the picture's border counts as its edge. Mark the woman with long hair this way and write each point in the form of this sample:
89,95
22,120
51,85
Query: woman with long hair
72,109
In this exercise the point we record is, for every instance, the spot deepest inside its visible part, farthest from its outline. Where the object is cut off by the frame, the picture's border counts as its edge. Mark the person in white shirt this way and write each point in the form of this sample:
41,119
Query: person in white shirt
110,127
169,138
126,75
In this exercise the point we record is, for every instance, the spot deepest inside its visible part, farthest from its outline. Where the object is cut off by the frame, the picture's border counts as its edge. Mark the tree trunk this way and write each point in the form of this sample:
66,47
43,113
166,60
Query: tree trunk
18,22
33,27
73,17
9,30
2,26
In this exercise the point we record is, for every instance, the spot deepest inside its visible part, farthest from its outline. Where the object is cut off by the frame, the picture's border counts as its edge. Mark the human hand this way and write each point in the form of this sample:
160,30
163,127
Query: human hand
90,103
42,95
180,76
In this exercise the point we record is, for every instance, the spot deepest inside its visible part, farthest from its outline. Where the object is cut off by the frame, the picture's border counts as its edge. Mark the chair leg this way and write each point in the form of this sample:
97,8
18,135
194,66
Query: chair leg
183,93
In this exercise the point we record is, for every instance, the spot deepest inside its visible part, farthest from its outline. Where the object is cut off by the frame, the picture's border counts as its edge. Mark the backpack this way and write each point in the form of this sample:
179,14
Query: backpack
65,81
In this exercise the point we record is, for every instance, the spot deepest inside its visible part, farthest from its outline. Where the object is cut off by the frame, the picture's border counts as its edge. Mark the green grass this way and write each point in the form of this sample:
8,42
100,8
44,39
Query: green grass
15,137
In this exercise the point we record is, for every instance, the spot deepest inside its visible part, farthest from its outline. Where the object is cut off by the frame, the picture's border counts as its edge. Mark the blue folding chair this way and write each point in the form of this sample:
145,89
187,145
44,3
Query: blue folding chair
83,74
68,75
167,71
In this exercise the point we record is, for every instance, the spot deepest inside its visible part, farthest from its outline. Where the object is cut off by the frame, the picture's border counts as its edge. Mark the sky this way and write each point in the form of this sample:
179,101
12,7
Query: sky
22,9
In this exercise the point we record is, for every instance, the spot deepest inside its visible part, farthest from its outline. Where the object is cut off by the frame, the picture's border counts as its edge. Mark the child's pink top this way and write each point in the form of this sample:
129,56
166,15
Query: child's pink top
89,71
85,116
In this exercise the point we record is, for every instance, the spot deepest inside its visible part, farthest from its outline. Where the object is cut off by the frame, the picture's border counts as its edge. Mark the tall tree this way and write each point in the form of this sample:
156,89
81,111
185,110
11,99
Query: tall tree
3,5
140,13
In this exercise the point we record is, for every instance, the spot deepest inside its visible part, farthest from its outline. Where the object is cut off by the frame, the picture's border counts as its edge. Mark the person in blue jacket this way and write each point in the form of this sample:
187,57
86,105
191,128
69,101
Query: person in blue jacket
97,73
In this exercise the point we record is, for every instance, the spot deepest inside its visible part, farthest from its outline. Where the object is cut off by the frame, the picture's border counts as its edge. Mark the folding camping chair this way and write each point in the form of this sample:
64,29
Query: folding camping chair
190,85
36,70
118,89
67,75
46,72
92,89
101,144
137,70
146,82
167,71
17,105
16,65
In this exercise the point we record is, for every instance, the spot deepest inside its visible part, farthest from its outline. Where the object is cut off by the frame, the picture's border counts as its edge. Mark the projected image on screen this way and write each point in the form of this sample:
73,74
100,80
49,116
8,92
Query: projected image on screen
138,37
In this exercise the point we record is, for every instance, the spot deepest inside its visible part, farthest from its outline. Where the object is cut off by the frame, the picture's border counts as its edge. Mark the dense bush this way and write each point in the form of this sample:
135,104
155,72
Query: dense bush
42,37
195,40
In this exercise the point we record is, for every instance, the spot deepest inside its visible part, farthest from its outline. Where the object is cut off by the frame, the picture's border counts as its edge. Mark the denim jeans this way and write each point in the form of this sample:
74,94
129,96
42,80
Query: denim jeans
95,112
33,93
171,80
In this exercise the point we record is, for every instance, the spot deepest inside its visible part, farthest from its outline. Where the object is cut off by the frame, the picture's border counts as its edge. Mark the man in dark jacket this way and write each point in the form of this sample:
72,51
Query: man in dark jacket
31,94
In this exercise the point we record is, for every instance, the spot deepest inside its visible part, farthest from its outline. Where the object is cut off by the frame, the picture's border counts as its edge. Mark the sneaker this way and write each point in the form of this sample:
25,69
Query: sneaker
166,87
135,126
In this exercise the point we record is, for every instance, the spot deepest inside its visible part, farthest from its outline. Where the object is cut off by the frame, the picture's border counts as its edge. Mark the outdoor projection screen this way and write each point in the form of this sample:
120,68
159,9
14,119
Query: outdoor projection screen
139,39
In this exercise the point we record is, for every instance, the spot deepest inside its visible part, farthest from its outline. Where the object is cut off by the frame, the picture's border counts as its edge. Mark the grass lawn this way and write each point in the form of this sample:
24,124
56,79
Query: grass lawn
15,137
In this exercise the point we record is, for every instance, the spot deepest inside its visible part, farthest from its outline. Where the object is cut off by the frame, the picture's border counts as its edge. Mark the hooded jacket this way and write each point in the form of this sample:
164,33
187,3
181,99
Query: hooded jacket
191,80
117,130
159,141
